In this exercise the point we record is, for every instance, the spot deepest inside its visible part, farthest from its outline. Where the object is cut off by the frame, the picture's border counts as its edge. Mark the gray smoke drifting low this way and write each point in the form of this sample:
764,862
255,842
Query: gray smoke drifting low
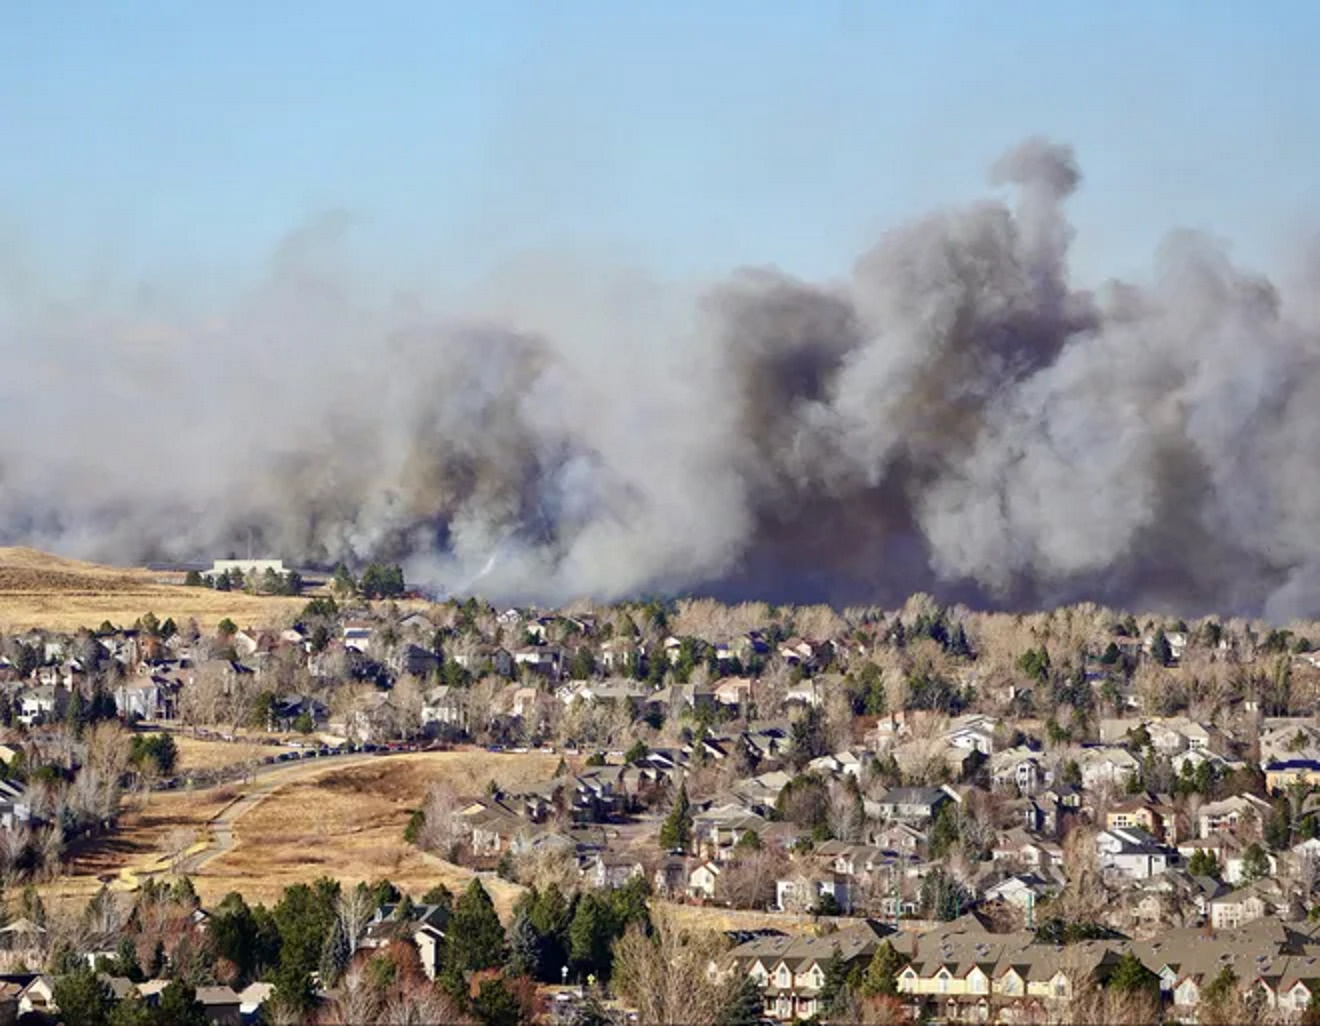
955,417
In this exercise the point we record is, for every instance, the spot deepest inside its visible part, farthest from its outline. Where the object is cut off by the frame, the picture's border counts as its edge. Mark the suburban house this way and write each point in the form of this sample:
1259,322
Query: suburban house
703,881
1283,773
486,657
43,703
290,710
14,807
1158,820
152,699
911,804
1133,853
960,972
543,659
357,635
619,654
413,660
605,871
806,891
1253,901
974,732
791,970
444,706
1018,767
1102,765
1022,890
1233,814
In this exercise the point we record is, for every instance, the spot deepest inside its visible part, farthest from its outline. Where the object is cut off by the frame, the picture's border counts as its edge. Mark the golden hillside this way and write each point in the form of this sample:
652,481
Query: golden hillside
38,589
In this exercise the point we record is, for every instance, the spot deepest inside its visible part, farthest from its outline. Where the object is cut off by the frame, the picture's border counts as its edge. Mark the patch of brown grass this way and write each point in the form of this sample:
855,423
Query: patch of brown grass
706,917
141,832
197,754
348,822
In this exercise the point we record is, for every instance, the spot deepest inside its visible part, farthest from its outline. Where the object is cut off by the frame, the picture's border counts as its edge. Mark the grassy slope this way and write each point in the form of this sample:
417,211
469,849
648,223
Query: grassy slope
340,819
41,590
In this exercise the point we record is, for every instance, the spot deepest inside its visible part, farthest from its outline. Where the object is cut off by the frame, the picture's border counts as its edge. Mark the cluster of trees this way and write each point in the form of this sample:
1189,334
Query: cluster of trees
85,999
551,933
155,754
267,582
314,932
377,581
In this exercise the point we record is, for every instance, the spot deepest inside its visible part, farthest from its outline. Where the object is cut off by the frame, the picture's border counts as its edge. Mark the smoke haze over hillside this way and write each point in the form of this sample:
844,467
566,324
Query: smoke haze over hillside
954,417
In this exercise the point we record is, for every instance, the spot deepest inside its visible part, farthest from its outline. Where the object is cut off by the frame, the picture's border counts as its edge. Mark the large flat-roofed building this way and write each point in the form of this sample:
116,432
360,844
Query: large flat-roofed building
247,566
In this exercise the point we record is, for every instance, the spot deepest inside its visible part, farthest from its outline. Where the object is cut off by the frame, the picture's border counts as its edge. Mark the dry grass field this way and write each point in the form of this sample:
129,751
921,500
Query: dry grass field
343,819
145,836
708,917
349,823
41,590
198,754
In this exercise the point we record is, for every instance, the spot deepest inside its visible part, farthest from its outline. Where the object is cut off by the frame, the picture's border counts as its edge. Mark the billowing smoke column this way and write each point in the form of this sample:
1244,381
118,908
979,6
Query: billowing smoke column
953,418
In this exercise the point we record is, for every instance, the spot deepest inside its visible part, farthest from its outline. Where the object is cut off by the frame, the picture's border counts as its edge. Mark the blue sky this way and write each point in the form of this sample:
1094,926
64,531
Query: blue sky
177,143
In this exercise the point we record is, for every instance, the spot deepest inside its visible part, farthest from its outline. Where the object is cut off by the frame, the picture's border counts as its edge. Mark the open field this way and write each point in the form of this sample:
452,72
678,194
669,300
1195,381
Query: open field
343,819
197,755
710,917
41,590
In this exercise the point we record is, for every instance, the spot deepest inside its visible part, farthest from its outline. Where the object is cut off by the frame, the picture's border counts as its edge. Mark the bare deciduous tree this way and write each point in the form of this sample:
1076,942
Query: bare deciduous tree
354,910
749,881
443,830
667,977
407,696
176,843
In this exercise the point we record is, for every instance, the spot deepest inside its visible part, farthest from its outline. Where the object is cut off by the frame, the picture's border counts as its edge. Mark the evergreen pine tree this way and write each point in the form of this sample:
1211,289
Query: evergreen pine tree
475,937
590,936
676,831
335,954
834,990
1160,649
179,1006
525,947
1131,976
744,1007
881,979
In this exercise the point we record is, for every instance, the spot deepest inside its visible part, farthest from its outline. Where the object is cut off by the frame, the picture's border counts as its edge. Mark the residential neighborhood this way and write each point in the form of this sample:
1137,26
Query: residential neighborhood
1004,812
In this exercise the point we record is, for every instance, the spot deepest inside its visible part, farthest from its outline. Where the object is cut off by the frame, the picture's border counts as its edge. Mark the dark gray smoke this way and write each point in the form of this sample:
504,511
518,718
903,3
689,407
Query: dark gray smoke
955,417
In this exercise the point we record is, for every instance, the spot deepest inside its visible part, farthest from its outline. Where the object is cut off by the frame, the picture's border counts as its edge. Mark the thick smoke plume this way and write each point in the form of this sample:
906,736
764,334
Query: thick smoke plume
955,417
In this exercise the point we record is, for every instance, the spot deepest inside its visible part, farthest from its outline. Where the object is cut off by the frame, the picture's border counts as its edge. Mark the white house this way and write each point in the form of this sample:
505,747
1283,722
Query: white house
703,880
357,636
973,732
46,703
1133,853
